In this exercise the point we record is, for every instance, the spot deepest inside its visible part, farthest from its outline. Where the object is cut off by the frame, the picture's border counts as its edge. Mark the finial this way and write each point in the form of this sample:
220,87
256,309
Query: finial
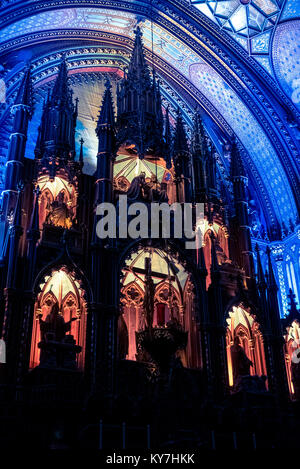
106,115
138,32
107,84
25,92
81,141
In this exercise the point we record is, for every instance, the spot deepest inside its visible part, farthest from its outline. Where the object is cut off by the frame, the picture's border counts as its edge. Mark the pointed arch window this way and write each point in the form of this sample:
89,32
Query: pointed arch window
173,299
243,325
62,288
128,166
292,348
57,202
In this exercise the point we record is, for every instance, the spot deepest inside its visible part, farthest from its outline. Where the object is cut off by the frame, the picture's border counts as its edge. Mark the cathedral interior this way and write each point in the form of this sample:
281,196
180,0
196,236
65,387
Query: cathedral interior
166,102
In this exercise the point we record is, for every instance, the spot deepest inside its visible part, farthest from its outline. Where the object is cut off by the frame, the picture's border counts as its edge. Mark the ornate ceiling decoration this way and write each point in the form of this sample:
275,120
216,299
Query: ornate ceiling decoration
252,23
247,18
199,63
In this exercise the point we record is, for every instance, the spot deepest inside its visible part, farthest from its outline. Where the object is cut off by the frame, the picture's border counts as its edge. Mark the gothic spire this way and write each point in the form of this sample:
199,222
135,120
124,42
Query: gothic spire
200,153
138,69
140,120
211,170
168,141
196,137
180,145
199,140
158,107
271,277
25,93
22,111
81,141
106,147
106,116
181,160
61,93
237,168
57,130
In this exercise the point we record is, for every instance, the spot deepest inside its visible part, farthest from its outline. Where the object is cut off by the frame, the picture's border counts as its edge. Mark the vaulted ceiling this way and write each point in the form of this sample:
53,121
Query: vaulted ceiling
242,73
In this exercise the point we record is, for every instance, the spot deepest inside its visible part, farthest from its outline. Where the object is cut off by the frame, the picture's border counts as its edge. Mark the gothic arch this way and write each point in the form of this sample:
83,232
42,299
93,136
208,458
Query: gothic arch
60,284
242,325
173,298
292,346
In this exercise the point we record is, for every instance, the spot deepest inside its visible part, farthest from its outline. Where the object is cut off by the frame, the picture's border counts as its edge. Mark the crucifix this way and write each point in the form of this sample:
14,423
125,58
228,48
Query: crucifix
148,303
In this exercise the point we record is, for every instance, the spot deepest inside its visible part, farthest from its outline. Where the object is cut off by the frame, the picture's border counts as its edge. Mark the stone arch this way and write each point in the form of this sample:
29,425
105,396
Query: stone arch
170,297
241,323
60,284
292,347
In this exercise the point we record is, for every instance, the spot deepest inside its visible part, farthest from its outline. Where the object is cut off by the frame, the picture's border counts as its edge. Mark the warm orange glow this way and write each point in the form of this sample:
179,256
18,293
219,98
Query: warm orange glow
221,245
242,324
60,287
57,202
128,165
174,298
292,345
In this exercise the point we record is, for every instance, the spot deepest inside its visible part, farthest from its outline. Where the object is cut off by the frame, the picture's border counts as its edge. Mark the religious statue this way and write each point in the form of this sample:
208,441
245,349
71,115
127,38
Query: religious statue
149,191
55,324
154,192
59,213
240,362
135,191
45,205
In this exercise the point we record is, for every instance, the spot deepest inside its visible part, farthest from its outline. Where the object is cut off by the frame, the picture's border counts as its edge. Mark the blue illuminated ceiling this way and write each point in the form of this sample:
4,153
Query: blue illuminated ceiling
252,23
197,68
246,18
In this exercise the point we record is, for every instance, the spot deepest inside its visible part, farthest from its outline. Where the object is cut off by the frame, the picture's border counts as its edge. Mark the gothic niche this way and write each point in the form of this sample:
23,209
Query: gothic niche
57,202
145,180
245,347
59,322
221,245
154,281
292,358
